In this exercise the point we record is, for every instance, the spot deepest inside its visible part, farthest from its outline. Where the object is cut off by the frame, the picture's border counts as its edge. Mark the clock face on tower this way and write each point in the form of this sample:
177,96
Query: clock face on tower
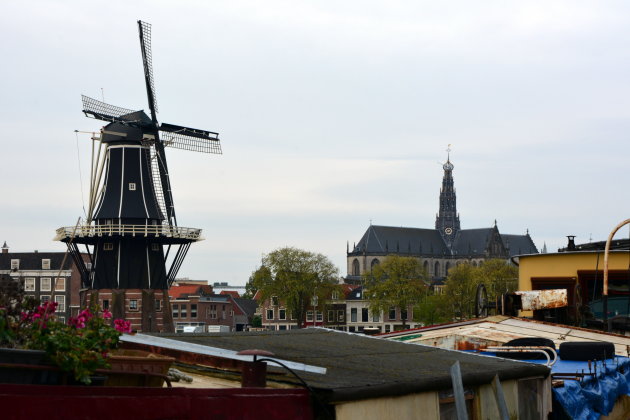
448,231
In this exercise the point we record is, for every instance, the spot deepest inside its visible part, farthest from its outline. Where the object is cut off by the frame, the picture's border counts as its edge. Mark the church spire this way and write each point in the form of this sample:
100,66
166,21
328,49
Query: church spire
447,220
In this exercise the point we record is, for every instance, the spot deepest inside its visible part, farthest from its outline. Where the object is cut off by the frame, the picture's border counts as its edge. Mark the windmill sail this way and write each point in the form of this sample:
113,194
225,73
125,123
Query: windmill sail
192,139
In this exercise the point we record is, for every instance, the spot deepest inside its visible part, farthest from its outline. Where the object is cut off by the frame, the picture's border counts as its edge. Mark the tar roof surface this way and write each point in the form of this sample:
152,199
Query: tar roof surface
361,367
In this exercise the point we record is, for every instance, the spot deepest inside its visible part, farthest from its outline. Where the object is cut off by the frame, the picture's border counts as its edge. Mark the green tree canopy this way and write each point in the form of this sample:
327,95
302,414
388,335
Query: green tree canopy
295,276
397,281
497,275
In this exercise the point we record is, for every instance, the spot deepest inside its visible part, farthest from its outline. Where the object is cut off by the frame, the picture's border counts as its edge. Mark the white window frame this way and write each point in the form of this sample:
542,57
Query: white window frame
60,281
341,315
29,284
282,314
132,186
61,303
269,310
44,298
15,264
319,316
309,316
133,304
45,263
42,284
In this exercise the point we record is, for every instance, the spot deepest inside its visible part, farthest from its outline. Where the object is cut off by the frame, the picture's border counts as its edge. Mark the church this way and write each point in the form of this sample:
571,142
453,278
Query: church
438,249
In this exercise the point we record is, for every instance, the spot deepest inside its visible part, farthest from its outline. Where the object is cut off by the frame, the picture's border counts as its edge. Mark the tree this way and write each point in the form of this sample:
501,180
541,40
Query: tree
296,276
397,281
434,309
461,284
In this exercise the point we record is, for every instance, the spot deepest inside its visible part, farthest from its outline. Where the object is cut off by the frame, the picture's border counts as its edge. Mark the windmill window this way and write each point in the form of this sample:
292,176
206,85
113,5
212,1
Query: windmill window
132,186
158,305
108,246
45,264
155,247
88,266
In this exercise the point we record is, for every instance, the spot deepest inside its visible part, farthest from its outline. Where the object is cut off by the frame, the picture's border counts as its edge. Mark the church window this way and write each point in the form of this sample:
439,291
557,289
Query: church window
426,266
375,261
446,268
436,269
355,268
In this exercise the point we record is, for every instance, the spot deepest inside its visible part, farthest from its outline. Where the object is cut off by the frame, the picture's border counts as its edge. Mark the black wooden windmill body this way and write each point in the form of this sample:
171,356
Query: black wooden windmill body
131,228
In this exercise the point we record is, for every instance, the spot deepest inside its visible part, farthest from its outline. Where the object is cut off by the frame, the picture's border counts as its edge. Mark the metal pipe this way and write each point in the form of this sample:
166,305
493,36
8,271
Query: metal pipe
606,252
528,349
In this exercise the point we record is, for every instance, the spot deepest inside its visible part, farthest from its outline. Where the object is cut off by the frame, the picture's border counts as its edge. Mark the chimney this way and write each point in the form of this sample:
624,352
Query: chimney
5,248
571,244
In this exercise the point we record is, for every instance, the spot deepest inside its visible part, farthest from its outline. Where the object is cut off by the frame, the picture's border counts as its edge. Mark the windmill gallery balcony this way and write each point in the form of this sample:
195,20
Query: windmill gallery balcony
172,234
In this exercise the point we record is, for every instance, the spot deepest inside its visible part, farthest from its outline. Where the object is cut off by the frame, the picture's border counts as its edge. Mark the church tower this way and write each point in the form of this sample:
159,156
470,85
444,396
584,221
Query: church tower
447,220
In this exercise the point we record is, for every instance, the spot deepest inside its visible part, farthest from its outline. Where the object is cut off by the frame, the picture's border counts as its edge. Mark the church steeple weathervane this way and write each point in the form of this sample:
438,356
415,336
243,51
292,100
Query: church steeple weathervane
447,220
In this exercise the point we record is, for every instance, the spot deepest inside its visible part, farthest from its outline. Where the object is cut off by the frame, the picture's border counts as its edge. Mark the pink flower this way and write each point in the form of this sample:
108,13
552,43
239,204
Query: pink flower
106,314
122,325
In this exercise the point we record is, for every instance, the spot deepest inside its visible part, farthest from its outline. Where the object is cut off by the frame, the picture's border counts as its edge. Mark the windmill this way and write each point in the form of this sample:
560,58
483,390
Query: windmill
131,226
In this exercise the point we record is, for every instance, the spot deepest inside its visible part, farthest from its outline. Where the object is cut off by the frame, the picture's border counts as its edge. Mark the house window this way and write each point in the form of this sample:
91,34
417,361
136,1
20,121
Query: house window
403,314
223,313
212,312
132,186
61,303
341,314
320,316
44,298
392,313
282,314
353,315
376,317
331,316
193,311
364,315
155,247
45,264
274,300
108,246
335,295
133,305
44,284
269,314
175,311
15,264
309,316
29,284
158,305
183,311
60,284
61,319
106,304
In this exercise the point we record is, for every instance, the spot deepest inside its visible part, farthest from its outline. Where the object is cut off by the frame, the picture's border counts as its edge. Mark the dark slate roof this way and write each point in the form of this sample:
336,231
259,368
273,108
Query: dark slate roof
426,242
247,305
390,239
519,244
361,367
355,294
472,241
33,260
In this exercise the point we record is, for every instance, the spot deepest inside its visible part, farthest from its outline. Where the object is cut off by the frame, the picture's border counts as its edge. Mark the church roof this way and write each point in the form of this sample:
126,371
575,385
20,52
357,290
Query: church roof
519,244
391,239
417,241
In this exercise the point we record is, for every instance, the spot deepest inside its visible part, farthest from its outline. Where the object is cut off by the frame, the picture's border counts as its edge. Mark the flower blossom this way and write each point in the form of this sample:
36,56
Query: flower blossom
122,325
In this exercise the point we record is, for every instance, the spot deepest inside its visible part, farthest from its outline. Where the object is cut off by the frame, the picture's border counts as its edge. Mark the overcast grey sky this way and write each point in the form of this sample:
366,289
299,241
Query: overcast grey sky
331,114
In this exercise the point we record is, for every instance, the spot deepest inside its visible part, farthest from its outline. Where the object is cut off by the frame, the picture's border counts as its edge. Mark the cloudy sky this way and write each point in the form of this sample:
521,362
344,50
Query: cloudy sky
331,114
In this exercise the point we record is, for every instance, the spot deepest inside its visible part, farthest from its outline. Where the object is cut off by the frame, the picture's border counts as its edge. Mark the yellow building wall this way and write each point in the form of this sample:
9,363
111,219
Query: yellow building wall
566,264
415,406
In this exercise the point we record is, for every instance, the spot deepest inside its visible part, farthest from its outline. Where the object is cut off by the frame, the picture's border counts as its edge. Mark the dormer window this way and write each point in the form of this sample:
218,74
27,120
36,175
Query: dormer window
45,264
15,264
132,186
335,295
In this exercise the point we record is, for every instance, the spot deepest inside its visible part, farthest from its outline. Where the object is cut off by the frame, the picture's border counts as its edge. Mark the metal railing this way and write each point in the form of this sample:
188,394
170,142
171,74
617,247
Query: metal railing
90,231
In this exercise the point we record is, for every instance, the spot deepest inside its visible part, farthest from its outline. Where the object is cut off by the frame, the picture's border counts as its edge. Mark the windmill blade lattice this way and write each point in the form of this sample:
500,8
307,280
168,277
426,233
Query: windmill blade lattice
192,139
147,60
103,111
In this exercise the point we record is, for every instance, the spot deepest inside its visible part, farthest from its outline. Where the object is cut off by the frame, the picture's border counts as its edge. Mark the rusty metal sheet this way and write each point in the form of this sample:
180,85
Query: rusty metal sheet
532,300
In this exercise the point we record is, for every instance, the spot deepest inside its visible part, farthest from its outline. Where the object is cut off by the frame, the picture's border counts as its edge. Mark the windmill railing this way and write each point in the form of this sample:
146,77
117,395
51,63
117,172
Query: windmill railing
92,231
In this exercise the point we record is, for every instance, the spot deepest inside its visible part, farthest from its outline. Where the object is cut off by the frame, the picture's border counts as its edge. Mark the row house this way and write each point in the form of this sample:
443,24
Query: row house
43,277
345,311
198,309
